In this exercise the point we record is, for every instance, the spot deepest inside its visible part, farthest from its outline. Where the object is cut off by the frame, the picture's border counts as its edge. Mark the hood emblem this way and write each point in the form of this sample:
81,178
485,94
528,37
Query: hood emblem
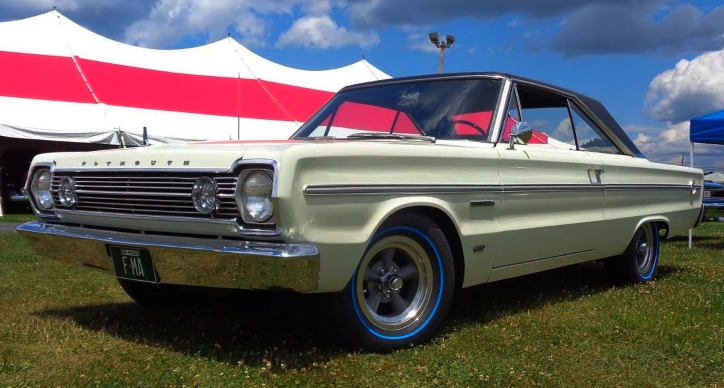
108,163
137,163
187,162
123,162
153,163
169,162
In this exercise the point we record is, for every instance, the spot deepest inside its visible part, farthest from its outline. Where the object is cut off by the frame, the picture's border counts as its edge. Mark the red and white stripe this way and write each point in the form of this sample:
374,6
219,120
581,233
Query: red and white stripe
56,76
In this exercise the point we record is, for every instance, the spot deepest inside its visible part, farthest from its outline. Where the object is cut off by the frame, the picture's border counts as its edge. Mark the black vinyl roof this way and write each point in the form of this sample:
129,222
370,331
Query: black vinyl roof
593,105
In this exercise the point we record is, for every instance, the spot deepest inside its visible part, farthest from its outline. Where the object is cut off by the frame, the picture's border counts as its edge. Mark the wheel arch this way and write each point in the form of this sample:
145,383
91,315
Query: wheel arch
662,223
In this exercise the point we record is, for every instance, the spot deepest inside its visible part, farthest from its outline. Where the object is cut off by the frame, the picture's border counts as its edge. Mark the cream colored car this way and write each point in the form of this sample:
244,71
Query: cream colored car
393,196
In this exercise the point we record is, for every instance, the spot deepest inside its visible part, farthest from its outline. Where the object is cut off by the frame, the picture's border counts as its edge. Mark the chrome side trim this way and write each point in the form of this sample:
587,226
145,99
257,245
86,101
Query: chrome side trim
314,190
553,188
620,187
398,189
186,261
170,224
482,203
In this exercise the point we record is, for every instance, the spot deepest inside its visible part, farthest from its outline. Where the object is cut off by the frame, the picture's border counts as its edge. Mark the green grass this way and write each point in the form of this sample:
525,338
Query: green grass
71,327
17,217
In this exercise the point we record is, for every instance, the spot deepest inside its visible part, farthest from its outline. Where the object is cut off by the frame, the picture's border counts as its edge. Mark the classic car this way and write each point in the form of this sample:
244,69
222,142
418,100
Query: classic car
392,197
713,201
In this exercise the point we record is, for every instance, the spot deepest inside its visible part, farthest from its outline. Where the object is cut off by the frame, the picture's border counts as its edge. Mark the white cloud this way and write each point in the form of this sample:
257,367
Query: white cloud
421,42
322,32
172,20
670,144
691,89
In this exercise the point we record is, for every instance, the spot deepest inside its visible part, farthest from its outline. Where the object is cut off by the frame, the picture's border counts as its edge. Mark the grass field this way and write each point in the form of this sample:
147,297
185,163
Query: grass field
17,217
62,326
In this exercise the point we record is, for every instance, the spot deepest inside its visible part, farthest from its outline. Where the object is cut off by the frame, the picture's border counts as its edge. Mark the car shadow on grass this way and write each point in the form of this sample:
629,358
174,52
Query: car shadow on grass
255,329
492,301
268,329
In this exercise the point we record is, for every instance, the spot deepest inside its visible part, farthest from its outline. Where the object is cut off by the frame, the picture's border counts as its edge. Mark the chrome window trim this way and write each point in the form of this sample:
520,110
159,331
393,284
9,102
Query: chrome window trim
499,122
584,109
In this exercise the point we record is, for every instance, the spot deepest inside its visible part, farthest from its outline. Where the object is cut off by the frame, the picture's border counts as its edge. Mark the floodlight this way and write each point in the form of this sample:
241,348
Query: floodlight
434,38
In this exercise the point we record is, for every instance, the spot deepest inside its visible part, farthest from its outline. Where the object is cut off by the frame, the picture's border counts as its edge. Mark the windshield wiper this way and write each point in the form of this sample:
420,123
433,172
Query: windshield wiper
318,138
384,135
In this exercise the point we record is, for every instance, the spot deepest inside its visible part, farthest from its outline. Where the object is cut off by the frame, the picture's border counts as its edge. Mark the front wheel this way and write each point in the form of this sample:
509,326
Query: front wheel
402,288
640,260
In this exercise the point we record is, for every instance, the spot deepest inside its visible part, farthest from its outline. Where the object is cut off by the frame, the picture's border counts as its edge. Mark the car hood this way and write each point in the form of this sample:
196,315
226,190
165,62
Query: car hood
201,155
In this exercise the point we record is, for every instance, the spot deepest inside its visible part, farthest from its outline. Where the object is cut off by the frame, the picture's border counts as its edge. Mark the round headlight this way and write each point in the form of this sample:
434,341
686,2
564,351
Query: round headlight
66,192
40,188
203,195
256,196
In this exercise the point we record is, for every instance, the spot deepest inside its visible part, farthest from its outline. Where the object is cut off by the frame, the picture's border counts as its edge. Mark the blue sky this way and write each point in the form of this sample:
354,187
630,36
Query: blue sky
654,63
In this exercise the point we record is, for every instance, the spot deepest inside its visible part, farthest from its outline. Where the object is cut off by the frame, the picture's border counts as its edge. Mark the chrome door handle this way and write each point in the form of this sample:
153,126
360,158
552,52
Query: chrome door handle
598,172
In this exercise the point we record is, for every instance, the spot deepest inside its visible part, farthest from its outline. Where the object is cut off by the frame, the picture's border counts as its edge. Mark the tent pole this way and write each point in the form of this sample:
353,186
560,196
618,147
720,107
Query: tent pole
1,189
691,164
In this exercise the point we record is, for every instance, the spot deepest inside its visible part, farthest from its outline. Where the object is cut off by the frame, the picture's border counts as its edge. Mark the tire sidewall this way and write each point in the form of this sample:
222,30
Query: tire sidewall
632,258
424,232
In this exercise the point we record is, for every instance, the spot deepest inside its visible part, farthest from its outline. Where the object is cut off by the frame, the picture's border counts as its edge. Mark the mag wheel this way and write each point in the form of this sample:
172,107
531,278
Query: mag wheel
640,261
402,288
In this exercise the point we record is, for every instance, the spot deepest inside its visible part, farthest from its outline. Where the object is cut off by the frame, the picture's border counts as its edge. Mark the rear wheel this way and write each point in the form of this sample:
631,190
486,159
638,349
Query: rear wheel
640,261
402,288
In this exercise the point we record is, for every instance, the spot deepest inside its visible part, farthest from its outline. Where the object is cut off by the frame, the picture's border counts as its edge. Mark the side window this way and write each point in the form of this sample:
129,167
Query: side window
548,114
590,136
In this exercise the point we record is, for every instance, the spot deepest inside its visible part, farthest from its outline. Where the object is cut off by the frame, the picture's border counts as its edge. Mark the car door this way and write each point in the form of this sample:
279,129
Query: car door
552,201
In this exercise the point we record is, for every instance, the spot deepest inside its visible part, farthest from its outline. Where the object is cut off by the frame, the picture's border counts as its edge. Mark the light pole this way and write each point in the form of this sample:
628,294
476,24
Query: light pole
442,45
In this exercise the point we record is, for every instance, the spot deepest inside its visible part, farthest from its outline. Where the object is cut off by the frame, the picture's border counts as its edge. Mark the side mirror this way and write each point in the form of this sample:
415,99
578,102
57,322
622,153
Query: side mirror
522,132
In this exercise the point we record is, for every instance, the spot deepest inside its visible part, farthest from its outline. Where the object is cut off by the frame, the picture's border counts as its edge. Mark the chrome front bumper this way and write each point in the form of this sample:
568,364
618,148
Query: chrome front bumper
185,261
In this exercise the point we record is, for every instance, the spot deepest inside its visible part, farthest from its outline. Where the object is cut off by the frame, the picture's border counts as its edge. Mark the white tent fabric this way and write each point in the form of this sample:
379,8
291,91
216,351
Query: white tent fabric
62,81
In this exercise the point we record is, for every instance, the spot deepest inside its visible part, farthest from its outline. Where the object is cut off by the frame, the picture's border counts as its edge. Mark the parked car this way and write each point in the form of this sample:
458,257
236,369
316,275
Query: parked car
392,197
713,201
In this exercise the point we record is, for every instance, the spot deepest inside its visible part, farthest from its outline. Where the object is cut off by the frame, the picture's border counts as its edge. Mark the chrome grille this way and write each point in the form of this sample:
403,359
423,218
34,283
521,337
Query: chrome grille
149,193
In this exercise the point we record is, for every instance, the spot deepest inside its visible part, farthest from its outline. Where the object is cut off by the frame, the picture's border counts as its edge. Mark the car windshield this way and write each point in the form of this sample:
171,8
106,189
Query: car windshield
443,109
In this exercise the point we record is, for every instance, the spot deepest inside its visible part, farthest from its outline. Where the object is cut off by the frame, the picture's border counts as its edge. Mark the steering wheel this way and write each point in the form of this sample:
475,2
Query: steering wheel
472,124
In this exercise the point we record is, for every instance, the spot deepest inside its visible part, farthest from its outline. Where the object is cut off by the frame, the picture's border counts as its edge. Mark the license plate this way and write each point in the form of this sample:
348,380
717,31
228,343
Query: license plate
133,263
707,194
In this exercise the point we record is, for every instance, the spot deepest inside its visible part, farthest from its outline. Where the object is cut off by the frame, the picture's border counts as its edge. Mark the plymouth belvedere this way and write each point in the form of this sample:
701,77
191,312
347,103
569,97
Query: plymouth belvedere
392,197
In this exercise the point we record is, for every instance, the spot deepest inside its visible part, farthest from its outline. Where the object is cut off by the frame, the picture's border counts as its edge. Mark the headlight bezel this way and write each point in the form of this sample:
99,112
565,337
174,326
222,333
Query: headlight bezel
31,187
245,173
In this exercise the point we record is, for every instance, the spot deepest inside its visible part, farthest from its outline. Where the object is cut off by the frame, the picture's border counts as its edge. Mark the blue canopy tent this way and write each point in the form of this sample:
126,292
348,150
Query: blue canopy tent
707,129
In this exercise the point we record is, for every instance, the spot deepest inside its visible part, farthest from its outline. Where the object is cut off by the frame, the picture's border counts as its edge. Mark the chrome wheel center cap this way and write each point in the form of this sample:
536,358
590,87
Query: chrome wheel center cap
396,284
642,247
